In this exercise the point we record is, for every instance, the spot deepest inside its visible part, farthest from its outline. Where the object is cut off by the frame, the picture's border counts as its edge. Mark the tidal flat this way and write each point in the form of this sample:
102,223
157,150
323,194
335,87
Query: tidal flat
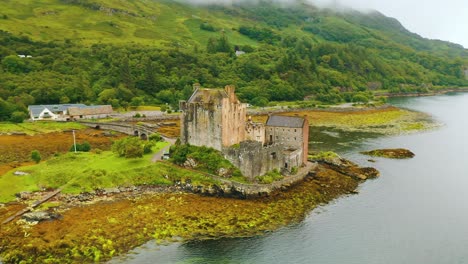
99,231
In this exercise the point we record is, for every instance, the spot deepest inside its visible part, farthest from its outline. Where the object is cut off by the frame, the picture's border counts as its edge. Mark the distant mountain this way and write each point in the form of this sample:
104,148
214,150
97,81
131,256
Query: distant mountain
112,51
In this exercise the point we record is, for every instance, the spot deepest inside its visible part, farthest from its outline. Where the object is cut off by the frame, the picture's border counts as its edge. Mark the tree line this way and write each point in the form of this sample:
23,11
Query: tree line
280,69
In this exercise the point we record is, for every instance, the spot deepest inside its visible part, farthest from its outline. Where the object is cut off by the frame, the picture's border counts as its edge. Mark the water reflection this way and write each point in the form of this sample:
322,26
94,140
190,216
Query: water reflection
333,139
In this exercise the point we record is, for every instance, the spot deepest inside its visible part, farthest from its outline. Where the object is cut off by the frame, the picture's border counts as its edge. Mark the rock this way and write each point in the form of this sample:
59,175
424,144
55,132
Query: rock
223,172
24,195
85,197
190,163
40,216
111,191
346,167
20,173
390,153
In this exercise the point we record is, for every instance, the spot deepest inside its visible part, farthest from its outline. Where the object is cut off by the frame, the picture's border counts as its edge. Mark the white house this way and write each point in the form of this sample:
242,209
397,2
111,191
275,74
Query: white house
66,112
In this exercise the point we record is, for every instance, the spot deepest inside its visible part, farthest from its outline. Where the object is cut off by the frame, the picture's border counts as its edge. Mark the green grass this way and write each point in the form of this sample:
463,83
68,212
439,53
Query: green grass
83,172
156,23
32,128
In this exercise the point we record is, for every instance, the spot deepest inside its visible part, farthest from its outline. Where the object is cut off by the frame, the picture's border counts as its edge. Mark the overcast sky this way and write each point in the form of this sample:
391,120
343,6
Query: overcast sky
435,19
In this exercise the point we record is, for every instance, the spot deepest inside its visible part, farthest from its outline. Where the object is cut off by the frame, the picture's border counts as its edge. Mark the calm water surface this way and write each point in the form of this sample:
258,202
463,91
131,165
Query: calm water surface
416,212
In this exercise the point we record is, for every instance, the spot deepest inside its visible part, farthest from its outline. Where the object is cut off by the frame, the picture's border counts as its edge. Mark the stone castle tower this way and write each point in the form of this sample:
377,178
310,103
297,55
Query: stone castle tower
213,118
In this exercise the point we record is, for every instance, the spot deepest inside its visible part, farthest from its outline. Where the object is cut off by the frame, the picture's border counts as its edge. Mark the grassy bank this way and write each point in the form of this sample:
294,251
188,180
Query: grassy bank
33,128
15,150
84,172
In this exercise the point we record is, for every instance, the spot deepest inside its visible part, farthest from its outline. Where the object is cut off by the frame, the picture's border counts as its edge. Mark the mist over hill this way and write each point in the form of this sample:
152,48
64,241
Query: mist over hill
151,52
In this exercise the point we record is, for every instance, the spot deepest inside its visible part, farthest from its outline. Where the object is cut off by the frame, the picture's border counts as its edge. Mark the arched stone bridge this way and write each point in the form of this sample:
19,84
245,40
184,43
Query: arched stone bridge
141,131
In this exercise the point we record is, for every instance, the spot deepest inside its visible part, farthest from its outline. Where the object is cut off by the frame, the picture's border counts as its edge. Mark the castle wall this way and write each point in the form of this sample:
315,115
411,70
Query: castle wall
291,137
233,122
253,159
292,158
201,124
255,131
305,140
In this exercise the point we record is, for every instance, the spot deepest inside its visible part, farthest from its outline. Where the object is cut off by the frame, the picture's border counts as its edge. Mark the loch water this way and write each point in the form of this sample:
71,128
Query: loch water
416,212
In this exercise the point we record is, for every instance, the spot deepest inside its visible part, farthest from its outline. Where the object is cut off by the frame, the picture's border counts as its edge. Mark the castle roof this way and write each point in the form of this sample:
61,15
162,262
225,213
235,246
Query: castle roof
285,121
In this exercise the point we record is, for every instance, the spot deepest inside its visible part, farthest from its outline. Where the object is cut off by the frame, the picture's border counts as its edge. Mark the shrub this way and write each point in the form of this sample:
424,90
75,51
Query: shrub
137,115
206,26
130,147
208,159
18,117
270,177
36,156
148,147
84,147
156,137
294,170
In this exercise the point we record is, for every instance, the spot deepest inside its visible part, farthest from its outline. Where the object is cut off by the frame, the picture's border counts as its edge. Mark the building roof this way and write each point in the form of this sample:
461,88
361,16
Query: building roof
90,110
37,109
285,121
73,109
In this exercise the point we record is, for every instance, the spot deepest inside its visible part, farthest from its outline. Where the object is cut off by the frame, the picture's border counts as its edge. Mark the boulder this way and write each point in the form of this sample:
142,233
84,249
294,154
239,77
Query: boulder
40,216
190,163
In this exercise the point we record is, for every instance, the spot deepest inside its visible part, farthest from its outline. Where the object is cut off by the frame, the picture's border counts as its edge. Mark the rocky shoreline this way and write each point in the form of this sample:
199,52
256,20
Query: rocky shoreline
130,216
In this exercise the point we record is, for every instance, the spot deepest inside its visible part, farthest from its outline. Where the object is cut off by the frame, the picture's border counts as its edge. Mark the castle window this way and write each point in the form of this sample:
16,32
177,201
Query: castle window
273,155
295,138
295,130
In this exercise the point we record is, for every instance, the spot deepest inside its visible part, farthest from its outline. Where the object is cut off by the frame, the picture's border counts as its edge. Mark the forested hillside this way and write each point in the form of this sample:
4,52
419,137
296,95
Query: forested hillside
151,52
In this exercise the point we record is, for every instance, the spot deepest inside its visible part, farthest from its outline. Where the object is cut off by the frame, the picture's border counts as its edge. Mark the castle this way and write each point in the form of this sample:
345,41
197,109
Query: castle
216,118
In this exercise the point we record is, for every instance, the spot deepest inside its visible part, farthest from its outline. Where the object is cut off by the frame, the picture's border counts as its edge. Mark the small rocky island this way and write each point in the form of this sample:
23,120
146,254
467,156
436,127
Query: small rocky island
399,153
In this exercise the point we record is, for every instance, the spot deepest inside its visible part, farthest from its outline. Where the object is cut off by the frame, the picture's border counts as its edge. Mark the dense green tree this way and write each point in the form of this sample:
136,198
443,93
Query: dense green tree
36,156
129,147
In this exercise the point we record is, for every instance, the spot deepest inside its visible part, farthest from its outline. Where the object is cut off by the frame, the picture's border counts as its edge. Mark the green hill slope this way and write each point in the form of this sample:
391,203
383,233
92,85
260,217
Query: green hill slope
145,51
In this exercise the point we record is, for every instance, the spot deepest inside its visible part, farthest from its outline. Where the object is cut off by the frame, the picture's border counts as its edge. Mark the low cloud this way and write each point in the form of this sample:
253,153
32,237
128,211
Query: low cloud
333,4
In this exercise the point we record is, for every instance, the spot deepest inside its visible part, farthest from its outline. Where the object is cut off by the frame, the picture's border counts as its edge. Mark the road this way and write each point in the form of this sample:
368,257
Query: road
157,156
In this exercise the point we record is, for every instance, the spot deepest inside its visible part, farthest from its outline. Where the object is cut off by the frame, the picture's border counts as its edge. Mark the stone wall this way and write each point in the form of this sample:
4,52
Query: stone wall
291,137
201,124
233,122
253,159
255,131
